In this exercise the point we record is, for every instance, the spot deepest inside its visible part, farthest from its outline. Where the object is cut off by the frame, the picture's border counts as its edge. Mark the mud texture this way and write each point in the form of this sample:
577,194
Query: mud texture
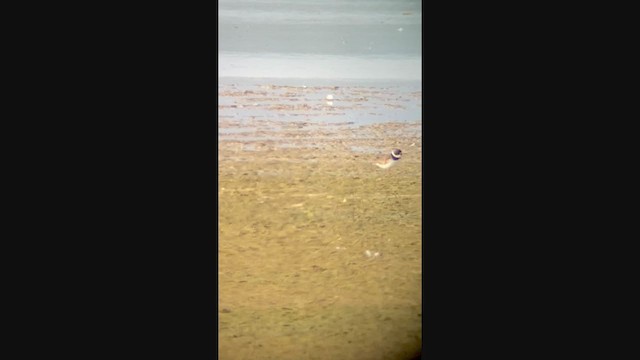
319,250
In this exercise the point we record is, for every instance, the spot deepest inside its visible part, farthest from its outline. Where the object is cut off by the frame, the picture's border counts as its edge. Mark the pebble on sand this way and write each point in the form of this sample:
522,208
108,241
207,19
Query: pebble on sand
370,253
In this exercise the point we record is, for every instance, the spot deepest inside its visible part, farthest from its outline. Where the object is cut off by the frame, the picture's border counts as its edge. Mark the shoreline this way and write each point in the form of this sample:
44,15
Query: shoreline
310,81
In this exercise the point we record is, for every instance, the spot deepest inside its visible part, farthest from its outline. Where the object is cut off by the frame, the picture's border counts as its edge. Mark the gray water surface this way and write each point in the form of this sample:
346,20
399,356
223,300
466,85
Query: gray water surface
350,39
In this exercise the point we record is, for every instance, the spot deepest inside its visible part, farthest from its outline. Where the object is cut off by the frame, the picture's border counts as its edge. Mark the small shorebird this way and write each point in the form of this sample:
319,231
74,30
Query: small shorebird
388,161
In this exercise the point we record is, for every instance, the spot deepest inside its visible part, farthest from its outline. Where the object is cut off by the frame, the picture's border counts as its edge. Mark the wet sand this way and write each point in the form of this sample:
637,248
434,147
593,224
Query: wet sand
319,250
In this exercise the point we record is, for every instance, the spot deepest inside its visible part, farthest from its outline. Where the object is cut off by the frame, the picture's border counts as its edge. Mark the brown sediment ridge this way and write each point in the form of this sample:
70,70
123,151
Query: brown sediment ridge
319,250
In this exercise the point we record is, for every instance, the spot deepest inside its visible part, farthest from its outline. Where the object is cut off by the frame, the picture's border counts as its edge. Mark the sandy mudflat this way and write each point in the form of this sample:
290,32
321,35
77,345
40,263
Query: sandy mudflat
300,206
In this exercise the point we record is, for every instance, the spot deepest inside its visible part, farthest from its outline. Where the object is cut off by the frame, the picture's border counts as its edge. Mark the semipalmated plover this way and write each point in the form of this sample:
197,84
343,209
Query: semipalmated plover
388,161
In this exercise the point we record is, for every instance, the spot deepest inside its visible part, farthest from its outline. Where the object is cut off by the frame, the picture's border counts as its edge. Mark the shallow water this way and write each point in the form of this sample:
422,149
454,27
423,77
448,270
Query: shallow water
248,108
320,66
320,39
